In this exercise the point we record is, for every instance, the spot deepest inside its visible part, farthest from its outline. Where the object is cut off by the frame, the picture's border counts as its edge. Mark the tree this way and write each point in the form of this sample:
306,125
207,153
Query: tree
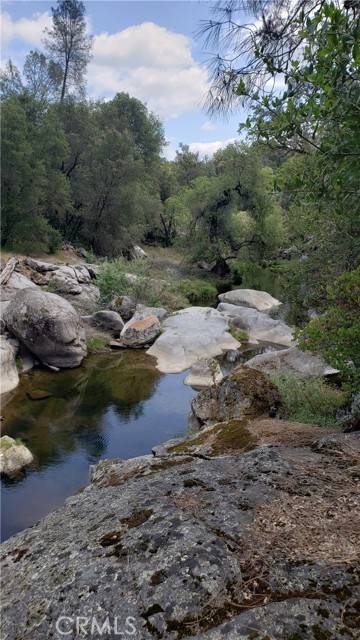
188,166
43,77
67,43
297,68
10,81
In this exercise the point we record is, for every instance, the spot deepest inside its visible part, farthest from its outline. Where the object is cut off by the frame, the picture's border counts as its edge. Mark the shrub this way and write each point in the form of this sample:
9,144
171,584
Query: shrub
34,235
311,400
198,292
336,333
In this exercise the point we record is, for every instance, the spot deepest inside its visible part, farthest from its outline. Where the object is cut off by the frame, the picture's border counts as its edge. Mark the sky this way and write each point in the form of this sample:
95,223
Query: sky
148,49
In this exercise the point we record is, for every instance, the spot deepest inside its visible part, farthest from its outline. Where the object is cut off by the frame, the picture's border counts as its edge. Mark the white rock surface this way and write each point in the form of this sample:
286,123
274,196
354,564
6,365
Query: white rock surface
259,300
259,326
191,334
9,378
13,456
300,363
204,373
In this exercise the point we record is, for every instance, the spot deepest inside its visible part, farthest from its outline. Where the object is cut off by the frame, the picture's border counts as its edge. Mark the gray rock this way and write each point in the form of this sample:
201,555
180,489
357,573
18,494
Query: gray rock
9,373
303,364
191,334
259,326
137,252
40,266
241,394
107,320
259,300
142,311
17,282
174,543
87,300
204,373
48,326
124,305
140,332
14,456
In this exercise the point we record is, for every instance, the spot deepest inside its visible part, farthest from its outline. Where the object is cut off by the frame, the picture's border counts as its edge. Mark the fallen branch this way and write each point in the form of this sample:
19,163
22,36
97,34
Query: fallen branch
7,270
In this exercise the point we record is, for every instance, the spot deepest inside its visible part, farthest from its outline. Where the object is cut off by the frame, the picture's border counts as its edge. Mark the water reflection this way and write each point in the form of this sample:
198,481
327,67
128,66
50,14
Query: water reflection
115,405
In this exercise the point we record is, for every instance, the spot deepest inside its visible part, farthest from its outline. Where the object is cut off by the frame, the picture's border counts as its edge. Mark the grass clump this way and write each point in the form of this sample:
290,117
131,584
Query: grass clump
241,335
96,344
312,401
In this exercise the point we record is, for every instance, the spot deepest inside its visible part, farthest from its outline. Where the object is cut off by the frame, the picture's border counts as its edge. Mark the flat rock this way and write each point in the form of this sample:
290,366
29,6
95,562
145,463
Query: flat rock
191,334
259,326
259,300
186,546
48,326
300,363
204,373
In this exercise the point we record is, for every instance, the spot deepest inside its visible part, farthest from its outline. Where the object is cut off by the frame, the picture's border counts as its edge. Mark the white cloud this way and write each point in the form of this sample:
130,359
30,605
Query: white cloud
209,148
208,126
151,63
28,29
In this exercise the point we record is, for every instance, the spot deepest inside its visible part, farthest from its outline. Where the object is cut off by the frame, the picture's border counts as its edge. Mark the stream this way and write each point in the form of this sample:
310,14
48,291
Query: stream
116,405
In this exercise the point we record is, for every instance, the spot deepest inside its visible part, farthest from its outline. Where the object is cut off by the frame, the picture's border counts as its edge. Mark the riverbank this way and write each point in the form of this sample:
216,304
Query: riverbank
148,540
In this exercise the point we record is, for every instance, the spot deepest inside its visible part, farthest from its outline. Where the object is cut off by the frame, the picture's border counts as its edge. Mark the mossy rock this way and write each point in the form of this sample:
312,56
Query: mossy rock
244,393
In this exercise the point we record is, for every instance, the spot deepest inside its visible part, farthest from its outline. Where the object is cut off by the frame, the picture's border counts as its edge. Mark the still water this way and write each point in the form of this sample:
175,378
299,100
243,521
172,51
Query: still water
116,405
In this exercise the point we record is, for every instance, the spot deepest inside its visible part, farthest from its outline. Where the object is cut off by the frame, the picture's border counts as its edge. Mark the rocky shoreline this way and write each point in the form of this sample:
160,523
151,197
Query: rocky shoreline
258,540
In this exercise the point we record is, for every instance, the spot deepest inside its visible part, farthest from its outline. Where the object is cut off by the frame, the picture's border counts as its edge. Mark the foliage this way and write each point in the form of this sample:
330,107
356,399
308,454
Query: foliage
198,292
336,333
297,67
96,344
67,43
309,400
241,335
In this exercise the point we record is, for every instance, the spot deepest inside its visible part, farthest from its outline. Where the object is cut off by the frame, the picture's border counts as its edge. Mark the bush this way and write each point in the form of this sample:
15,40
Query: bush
198,292
336,333
311,401
34,235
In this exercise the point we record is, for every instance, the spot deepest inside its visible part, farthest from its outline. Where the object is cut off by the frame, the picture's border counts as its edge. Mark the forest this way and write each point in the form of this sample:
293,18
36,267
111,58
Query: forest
286,195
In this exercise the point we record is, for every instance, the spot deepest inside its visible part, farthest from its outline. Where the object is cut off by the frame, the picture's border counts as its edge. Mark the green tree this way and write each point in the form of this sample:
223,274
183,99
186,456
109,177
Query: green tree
67,43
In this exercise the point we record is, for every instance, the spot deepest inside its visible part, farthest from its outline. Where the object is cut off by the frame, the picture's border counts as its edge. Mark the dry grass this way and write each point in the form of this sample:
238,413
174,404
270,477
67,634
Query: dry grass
305,525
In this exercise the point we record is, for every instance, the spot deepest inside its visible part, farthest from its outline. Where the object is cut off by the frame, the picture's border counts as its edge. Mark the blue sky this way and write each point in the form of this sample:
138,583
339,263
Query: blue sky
146,48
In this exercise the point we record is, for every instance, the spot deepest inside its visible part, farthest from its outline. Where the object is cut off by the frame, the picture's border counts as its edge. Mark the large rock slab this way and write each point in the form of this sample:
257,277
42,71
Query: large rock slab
191,334
300,363
259,300
14,456
243,393
259,326
48,326
9,378
188,546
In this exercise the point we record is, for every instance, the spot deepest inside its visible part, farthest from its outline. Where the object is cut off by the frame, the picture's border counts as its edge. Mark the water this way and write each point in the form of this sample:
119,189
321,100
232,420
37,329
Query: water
116,405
